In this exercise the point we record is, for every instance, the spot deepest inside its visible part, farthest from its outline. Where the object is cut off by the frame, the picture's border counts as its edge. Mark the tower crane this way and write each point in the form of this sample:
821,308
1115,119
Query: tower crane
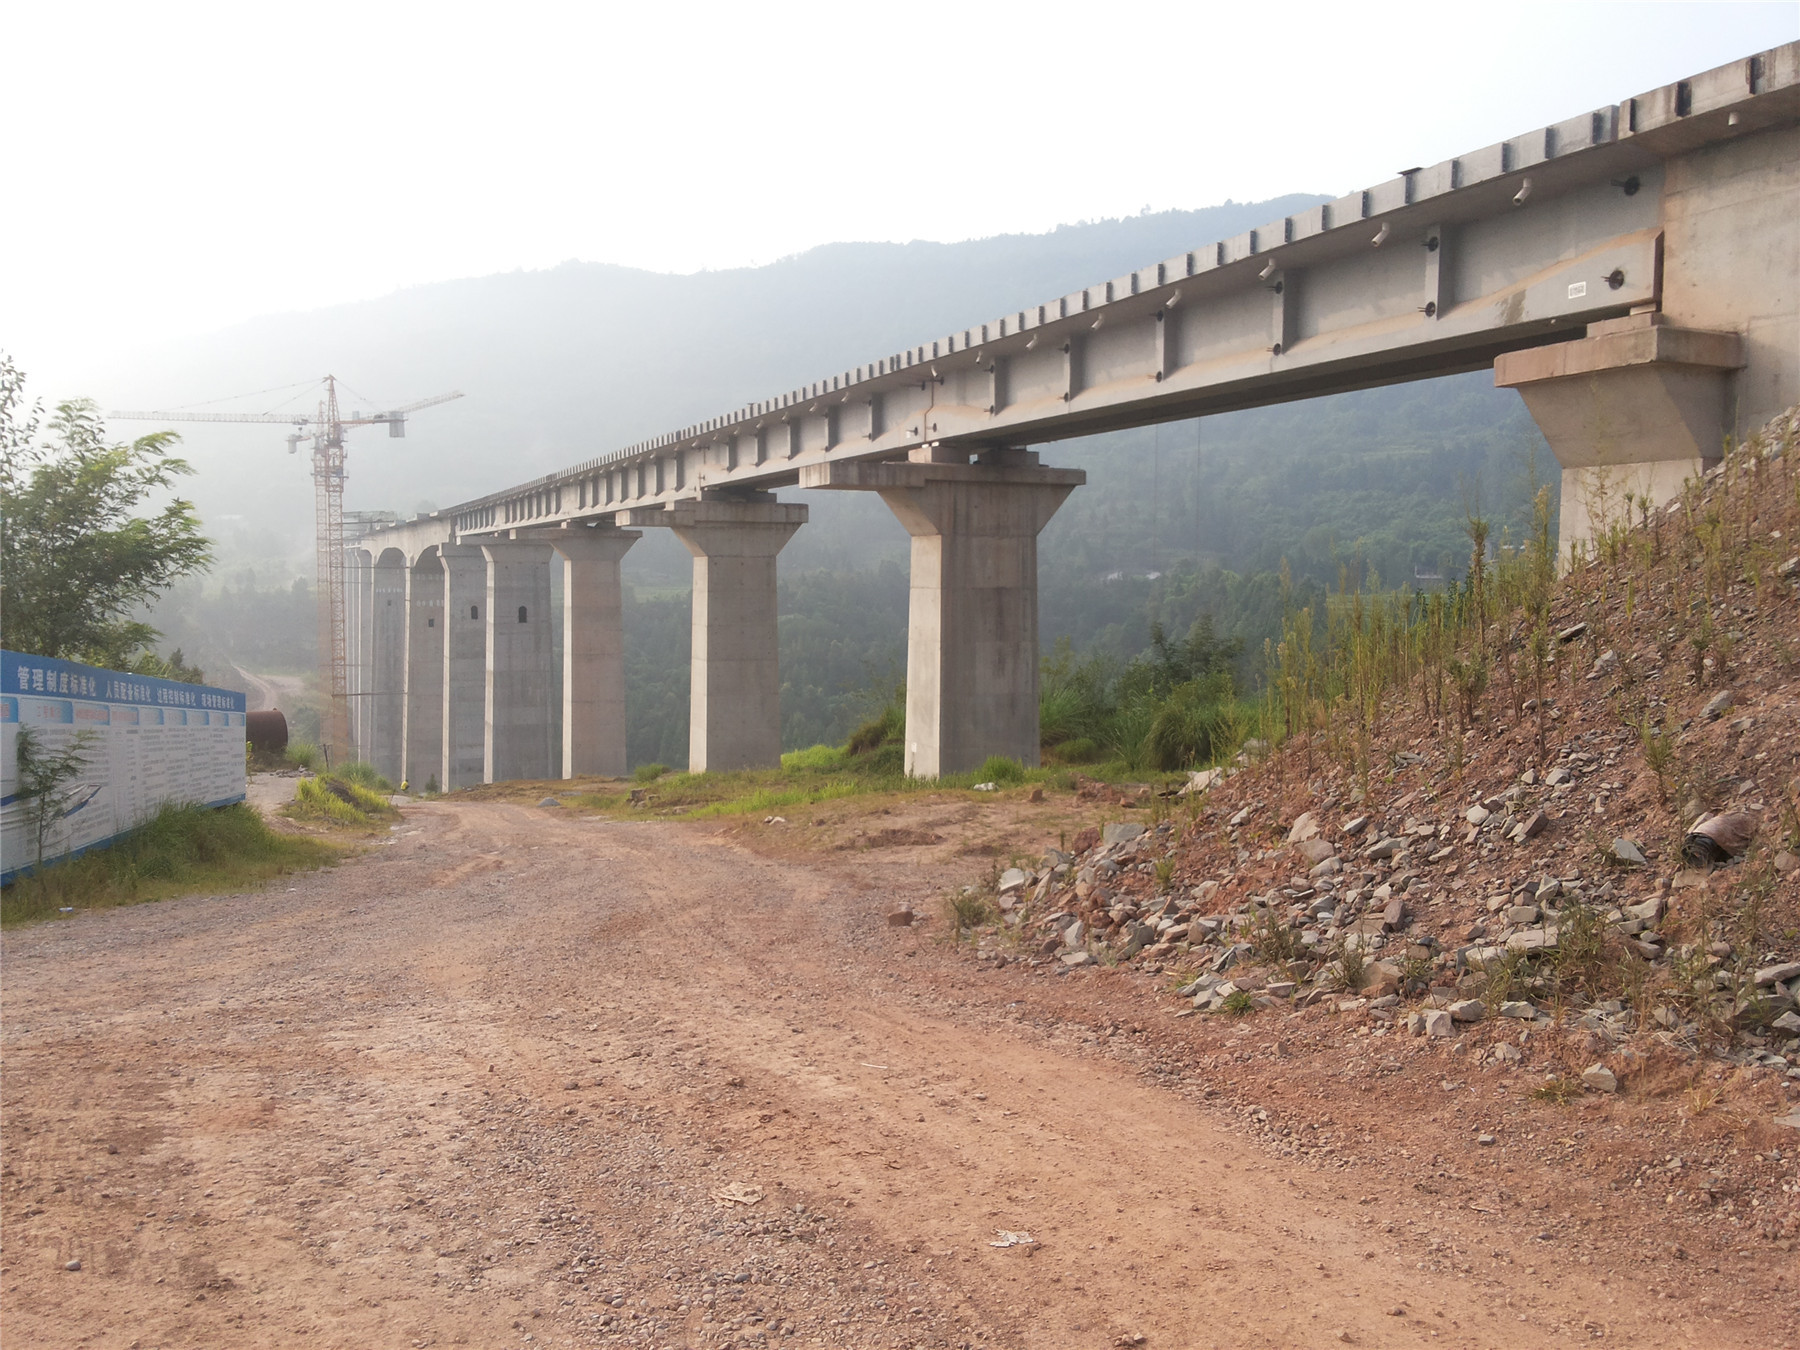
326,431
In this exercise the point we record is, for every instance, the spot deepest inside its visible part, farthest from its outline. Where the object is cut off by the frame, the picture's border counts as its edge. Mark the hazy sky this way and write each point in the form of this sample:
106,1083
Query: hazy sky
175,167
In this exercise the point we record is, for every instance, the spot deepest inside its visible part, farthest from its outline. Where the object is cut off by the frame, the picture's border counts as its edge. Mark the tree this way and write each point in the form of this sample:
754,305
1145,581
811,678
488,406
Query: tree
47,787
77,562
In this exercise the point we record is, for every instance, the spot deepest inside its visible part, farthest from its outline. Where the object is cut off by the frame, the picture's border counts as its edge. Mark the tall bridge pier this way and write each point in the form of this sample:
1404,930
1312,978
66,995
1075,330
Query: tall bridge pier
1633,271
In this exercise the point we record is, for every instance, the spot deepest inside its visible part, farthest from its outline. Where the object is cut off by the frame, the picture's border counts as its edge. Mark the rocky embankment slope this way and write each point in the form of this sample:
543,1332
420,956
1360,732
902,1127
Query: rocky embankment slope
1596,888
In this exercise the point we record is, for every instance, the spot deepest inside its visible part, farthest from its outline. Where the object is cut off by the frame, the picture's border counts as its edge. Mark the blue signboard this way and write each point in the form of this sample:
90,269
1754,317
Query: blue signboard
146,743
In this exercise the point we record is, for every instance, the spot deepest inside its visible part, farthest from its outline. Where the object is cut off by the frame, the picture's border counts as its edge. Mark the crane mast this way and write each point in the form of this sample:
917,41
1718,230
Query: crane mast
327,436
328,531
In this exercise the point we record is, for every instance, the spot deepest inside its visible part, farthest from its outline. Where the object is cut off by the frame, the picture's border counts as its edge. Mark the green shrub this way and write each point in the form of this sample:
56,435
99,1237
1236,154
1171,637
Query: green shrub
1127,734
887,726
1186,728
888,761
648,773
999,769
302,755
363,774
1081,750
814,757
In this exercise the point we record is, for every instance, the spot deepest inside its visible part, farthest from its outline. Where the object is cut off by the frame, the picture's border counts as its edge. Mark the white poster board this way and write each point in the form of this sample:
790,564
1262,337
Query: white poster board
153,743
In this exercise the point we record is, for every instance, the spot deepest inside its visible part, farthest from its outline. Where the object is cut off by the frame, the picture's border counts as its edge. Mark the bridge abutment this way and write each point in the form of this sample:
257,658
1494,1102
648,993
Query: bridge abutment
593,687
424,723
972,630
464,673
734,704
516,715
1634,409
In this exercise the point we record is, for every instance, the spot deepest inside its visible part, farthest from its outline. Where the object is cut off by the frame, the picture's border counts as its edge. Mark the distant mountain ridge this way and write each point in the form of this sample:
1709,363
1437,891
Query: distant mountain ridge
572,361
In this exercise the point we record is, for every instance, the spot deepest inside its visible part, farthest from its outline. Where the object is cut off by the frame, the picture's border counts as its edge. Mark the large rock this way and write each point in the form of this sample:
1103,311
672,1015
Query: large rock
1380,978
1532,940
1121,832
1600,1078
1306,827
1780,974
1137,937
1316,850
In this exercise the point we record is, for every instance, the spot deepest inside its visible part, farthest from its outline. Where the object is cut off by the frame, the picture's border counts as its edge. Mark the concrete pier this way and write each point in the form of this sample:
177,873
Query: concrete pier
593,684
516,723
358,577
972,632
424,724
1632,410
385,705
464,673
735,702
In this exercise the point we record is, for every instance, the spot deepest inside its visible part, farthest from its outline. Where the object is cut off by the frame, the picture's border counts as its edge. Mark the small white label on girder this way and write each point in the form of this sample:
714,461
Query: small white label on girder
1577,289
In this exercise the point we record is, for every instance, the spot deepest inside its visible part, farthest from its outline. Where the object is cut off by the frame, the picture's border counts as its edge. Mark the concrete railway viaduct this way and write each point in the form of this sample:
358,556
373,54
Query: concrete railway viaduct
1634,272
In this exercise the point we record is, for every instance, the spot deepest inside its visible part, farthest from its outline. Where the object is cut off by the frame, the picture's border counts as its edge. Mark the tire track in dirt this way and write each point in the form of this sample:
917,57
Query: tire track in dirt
485,1083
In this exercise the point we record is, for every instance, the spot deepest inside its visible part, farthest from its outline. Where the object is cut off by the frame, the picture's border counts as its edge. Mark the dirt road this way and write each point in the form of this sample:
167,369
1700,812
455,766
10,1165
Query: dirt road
519,1077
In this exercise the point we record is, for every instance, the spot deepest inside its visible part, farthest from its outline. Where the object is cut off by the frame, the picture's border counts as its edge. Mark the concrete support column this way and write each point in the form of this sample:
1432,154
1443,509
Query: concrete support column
516,721
972,635
1636,407
593,685
424,711
358,578
386,703
464,672
734,717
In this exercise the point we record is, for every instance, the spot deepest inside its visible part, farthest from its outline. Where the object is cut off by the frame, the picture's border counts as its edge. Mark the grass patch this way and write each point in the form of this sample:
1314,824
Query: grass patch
340,801
1562,1090
1238,1003
648,773
999,769
967,911
820,773
302,755
182,850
